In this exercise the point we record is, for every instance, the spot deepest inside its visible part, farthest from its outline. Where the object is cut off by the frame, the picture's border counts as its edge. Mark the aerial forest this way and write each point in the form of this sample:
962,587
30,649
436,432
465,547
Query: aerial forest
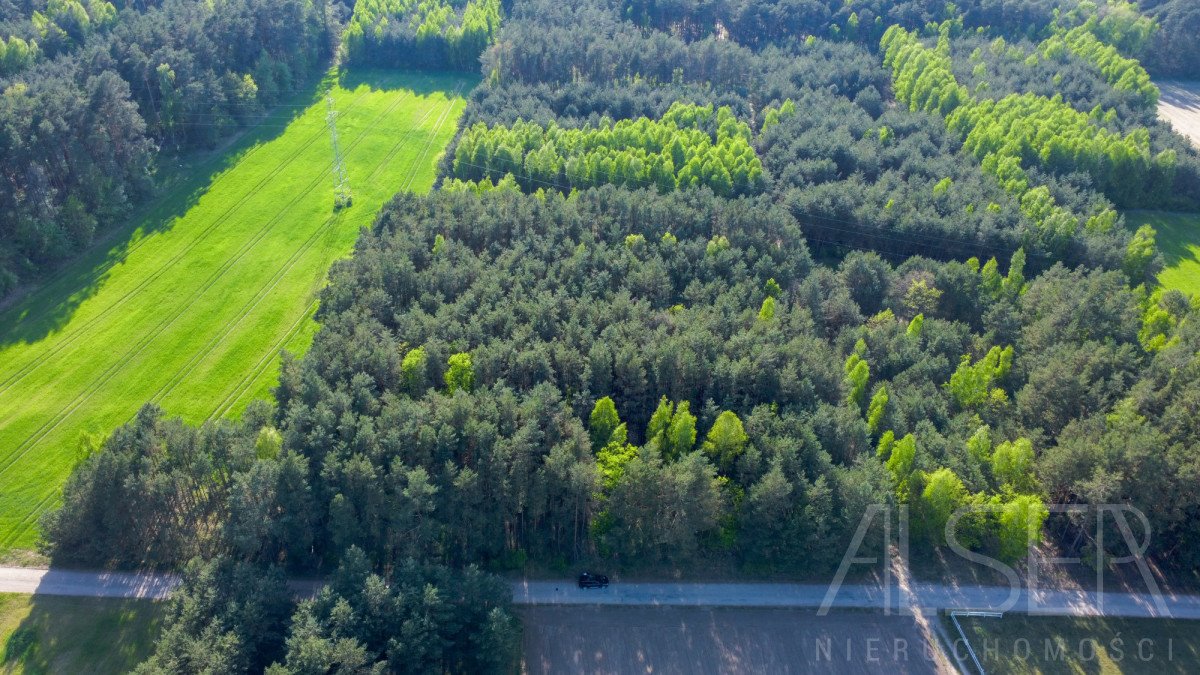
699,284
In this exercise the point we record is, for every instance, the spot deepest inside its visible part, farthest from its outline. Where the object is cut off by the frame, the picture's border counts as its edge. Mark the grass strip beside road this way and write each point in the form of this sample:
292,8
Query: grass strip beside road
1018,643
49,634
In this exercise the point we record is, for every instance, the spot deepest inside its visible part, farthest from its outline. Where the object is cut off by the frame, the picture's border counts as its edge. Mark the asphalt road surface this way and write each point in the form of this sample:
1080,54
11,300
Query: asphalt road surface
850,596
926,596
86,584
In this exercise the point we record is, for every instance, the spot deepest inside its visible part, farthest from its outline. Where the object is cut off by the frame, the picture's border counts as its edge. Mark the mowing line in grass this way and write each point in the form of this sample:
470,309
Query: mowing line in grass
167,323
425,150
35,310
244,384
255,301
163,326
202,343
264,362
221,219
171,174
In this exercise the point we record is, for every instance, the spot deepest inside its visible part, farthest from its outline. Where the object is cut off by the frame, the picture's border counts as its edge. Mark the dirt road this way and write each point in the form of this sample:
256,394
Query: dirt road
1179,104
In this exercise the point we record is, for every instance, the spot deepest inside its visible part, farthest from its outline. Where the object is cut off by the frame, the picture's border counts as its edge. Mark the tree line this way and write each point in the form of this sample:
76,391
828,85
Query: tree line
1160,33
1170,48
1019,130
1122,73
862,195
997,68
774,21
232,617
412,34
81,131
688,146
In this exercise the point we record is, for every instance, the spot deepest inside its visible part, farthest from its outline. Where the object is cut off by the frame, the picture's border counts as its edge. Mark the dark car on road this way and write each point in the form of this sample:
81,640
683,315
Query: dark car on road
589,580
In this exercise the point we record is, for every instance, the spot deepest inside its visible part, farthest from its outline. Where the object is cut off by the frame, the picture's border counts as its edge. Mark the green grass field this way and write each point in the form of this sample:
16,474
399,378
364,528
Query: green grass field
48,634
191,308
1042,644
1179,240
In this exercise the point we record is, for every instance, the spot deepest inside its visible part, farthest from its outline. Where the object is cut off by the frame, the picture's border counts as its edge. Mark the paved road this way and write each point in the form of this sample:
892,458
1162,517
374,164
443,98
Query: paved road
925,596
89,584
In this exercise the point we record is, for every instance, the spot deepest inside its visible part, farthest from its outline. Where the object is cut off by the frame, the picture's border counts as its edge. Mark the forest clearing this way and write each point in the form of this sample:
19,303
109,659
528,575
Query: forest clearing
1178,238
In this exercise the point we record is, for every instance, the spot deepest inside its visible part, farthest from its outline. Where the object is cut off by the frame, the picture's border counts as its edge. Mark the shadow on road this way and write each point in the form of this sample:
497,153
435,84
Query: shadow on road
1180,94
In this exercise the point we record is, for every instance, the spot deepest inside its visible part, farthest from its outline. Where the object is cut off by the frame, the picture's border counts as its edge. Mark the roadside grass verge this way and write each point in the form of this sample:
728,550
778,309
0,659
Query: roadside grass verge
49,634
1020,643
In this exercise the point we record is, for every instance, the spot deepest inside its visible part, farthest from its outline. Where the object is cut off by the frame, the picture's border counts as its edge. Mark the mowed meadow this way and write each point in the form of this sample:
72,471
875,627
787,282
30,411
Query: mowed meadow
1177,234
1178,238
192,307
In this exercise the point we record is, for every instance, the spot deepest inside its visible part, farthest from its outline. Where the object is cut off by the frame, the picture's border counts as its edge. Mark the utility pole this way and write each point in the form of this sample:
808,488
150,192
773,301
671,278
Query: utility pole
341,182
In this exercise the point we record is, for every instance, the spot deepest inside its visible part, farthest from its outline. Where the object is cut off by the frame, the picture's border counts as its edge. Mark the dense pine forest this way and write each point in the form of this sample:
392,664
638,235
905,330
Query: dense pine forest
702,282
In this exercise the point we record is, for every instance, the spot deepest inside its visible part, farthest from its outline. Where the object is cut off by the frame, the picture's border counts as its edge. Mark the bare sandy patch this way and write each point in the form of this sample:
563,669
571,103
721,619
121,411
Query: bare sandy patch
1179,105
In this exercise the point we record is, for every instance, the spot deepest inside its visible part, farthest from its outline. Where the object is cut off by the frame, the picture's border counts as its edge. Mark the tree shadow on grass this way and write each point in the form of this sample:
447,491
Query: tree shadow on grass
1177,235
421,83
1177,238
48,305
76,635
